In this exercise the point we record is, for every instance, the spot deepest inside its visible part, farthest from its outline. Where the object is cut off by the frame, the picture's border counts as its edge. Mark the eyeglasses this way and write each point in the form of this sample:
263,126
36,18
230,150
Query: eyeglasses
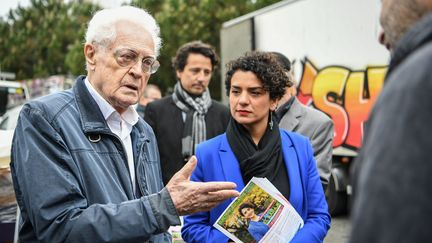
128,58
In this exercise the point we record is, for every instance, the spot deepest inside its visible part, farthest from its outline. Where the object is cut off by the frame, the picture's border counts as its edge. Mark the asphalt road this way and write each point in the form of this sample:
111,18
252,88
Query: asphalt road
339,231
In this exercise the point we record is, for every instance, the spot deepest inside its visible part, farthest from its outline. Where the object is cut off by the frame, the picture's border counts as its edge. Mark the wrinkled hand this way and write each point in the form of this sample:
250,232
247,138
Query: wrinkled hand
192,197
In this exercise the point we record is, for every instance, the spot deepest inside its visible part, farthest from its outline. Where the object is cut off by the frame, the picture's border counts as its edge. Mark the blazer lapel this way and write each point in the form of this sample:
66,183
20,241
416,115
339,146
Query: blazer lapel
292,165
230,165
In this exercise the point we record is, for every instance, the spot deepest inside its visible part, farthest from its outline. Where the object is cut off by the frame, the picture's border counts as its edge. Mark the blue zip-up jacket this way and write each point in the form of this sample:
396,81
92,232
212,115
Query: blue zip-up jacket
71,175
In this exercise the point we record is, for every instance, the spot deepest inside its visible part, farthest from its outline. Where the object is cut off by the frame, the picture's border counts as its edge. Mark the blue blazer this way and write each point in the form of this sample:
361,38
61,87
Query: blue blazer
216,162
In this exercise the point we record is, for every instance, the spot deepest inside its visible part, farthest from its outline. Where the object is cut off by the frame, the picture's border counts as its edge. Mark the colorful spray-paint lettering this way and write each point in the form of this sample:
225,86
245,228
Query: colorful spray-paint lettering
346,96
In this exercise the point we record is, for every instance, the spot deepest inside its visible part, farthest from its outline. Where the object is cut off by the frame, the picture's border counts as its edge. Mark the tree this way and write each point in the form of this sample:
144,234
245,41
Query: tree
35,40
47,37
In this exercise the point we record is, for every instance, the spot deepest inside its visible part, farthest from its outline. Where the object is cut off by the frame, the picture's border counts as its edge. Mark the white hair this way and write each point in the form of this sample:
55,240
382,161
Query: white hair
101,28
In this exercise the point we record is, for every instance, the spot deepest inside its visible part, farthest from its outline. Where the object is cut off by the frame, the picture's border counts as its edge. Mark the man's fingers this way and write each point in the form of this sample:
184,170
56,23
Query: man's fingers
193,200
222,195
191,197
188,168
216,186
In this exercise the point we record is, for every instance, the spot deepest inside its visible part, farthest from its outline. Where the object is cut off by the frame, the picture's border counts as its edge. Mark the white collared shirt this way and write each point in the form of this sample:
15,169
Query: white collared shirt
120,124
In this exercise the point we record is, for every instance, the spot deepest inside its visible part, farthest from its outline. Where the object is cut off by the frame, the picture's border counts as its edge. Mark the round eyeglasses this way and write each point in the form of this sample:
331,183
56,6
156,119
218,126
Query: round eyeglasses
128,58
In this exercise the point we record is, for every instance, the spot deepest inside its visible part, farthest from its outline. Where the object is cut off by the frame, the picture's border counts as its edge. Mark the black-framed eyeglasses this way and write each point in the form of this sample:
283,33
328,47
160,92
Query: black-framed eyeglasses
128,58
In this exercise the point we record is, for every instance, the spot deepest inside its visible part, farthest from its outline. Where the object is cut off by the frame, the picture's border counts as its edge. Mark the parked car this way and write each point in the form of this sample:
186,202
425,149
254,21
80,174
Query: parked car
8,206
7,127
10,118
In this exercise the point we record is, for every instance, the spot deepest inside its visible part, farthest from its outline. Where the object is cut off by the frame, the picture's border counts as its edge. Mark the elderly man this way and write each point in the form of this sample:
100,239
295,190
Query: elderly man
393,190
189,116
85,167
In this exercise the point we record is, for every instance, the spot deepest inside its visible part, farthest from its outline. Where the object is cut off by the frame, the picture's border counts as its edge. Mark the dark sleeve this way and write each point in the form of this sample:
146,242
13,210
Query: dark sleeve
150,116
227,119
226,115
393,187
48,189
222,114
322,144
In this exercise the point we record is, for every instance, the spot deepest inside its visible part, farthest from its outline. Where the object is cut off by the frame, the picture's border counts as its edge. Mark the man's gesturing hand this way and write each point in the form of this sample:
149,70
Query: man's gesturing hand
192,197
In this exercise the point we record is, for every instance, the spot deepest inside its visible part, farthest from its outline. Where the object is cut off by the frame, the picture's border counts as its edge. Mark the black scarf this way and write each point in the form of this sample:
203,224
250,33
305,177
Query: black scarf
264,160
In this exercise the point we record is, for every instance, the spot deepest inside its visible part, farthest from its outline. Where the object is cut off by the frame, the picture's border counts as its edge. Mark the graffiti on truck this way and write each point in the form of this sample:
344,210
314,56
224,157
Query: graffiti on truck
345,95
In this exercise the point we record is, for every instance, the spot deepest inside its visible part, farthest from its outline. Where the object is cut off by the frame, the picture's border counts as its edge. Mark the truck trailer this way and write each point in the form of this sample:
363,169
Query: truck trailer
338,63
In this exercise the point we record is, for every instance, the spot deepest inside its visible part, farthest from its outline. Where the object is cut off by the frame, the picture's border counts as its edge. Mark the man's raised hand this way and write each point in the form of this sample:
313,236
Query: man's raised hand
192,197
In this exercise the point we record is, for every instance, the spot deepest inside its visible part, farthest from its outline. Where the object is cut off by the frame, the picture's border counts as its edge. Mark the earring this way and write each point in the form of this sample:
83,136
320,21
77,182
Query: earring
271,121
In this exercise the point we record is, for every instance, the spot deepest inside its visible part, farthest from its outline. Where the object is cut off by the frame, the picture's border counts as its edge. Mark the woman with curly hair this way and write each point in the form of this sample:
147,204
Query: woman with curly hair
253,145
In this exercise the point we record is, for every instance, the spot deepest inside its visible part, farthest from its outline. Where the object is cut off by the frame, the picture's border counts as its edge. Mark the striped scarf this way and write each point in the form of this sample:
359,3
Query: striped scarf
194,131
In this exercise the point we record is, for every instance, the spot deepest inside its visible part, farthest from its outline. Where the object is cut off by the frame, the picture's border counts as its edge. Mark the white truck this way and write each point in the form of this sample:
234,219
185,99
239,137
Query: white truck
338,63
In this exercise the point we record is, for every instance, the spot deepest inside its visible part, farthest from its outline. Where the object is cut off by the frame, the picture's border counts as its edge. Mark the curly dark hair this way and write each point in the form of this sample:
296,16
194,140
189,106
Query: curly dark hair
267,69
245,205
197,47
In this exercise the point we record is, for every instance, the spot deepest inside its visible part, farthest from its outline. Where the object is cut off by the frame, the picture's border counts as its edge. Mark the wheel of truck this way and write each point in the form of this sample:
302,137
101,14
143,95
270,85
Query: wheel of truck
337,201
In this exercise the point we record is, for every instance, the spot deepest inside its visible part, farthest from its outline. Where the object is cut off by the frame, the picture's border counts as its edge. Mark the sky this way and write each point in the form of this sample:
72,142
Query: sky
5,5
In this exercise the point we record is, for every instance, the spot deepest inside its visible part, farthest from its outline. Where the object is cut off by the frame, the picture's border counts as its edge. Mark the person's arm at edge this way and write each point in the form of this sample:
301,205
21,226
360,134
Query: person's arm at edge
150,115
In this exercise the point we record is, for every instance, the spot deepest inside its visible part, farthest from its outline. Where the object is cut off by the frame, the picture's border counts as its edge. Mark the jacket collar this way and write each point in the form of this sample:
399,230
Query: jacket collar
291,119
419,34
230,165
92,120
